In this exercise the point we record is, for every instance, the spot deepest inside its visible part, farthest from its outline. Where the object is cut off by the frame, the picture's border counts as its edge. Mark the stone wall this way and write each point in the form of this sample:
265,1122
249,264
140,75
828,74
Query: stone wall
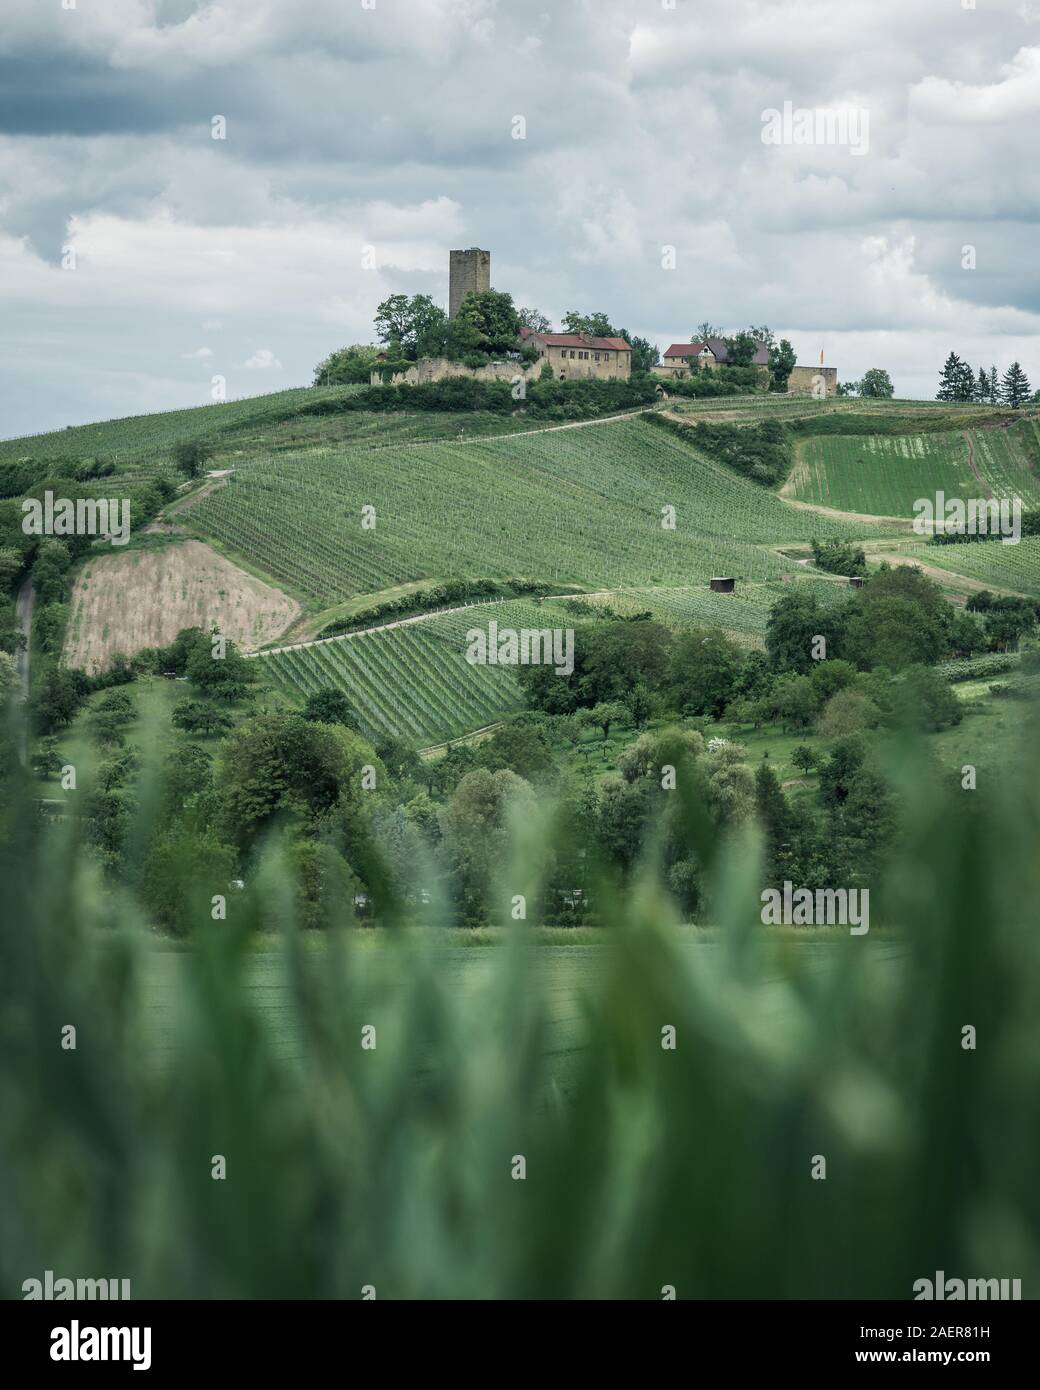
429,369
808,381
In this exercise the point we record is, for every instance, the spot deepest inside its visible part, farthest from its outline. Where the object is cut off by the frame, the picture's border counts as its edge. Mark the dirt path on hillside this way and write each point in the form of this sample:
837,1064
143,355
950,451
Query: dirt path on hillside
950,579
974,466
865,517
214,481
417,618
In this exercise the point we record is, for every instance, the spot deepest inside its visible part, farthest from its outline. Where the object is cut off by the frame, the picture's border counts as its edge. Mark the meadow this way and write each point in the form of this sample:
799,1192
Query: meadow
885,474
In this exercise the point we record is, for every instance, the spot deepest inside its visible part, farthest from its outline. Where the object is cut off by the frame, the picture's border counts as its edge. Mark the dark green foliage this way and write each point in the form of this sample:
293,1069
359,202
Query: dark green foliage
331,707
957,382
760,452
1014,388
782,361
839,557
715,381
198,717
191,456
705,666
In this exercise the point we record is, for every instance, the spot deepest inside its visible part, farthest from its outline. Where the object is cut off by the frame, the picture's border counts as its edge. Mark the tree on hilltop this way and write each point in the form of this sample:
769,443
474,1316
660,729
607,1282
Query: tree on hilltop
487,321
411,327
534,319
782,362
596,325
957,381
347,366
1014,389
645,354
877,385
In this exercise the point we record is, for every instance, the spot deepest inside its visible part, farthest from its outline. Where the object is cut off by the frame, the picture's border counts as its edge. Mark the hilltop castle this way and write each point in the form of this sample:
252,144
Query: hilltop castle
575,356
468,271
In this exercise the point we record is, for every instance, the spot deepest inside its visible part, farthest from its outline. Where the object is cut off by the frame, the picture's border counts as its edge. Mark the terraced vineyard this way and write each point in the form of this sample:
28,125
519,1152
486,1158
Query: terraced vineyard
144,441
414,681
885,474
1014,567
743,614
577,506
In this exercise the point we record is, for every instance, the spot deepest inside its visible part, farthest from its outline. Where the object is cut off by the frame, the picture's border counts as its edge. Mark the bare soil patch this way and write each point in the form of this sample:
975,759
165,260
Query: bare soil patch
124,603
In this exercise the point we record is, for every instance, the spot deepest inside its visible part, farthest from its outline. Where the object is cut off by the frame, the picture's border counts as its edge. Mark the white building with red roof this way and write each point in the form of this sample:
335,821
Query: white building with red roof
575,356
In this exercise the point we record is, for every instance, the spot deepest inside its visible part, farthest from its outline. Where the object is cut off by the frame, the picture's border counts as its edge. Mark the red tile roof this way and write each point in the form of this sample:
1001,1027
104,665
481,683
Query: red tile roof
684,349
575,340
719,348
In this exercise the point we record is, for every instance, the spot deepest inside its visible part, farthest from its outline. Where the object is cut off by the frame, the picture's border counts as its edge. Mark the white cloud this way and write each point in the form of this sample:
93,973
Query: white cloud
1015,96
200,354
263,360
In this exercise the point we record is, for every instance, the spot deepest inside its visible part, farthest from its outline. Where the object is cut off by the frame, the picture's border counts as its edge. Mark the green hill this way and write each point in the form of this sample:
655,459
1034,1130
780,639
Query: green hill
885,473
578,505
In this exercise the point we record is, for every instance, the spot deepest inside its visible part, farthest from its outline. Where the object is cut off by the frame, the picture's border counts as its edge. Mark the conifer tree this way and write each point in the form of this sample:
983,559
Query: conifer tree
1014,389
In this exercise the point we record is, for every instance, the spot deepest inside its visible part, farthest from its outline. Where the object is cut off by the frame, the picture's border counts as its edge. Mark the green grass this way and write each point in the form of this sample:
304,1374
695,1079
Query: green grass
645,1166
886,474
572,506
143,444
743,614
990,562
413,682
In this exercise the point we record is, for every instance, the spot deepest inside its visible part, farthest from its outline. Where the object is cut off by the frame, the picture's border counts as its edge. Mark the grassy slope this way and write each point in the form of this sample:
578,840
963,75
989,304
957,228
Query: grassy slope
576,506
885,474
414,681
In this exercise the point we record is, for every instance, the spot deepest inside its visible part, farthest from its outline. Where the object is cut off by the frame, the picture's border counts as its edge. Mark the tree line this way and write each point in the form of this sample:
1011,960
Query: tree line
959,382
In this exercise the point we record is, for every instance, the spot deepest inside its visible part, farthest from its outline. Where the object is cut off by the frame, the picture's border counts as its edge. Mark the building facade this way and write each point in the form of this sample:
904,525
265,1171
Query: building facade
683,359
576,356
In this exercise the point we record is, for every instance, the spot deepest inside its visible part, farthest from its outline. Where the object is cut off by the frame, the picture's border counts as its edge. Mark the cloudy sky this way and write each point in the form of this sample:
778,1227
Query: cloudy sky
140,257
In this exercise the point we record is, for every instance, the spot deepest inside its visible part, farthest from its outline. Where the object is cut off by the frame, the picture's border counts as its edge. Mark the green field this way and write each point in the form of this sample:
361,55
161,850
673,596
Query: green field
1014,567
885,474
577,505
414,681
561,979
743,614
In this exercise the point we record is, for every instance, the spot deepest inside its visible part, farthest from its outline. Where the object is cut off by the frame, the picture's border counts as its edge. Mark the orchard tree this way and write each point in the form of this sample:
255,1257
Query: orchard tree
877,385
330,706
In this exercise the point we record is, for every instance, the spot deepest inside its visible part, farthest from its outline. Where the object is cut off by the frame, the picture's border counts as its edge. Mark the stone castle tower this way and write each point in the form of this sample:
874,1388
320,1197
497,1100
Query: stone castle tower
467,270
